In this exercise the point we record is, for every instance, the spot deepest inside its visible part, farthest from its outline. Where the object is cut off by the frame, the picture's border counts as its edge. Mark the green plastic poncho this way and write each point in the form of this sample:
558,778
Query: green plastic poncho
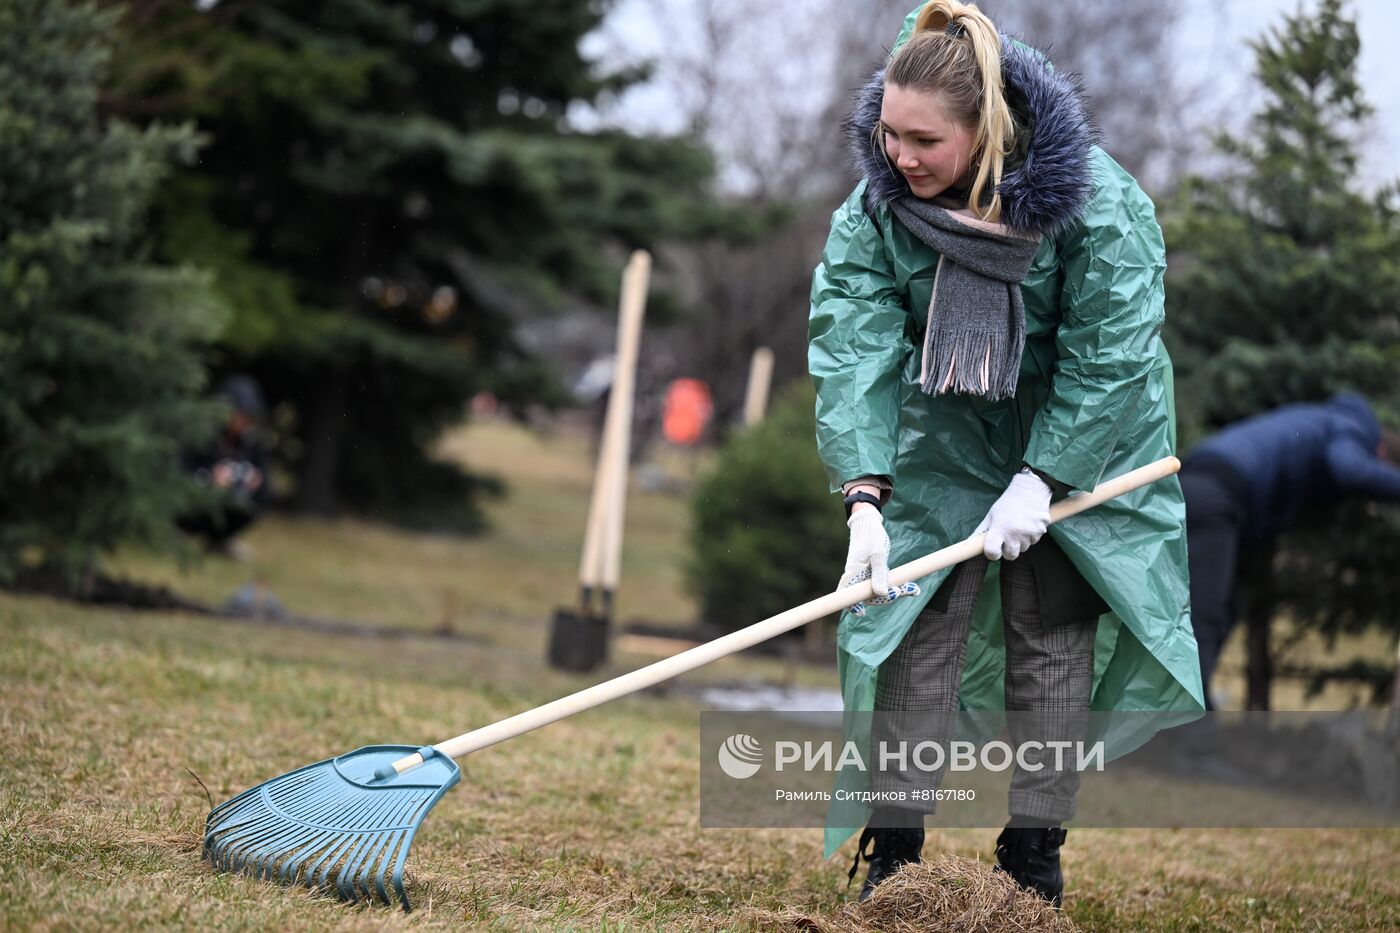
1094,400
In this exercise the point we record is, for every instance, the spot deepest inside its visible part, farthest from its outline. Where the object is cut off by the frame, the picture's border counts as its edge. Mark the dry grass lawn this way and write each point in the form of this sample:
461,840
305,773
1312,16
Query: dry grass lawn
106,717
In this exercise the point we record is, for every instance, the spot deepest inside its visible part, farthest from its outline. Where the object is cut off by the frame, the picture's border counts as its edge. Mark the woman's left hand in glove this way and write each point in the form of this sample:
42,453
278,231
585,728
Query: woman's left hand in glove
1018,519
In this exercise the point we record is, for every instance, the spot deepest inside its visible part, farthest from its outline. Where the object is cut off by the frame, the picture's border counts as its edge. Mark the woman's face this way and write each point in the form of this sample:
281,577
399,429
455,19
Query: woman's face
930,150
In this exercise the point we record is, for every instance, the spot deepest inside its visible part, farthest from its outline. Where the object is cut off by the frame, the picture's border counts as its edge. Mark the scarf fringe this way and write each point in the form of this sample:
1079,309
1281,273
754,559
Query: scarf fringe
962,364
983,361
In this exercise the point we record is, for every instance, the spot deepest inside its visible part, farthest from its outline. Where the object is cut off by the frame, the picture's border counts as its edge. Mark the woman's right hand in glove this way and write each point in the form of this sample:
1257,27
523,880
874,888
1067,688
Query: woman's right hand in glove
868,558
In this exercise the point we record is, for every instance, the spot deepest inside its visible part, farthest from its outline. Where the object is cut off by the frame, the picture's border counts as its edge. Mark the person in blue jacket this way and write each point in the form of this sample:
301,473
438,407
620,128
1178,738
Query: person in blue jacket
1250,481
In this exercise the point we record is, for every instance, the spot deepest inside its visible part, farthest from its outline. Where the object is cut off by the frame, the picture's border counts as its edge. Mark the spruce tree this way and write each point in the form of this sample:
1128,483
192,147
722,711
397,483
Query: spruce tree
100,366
1284,286
755,555
386,185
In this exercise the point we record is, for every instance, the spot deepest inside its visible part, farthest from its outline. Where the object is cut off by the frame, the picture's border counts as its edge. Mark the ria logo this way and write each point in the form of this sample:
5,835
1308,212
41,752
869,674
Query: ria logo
740,756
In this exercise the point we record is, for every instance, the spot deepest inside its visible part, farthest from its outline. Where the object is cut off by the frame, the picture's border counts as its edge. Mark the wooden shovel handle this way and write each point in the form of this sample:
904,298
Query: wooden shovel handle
634,303
598,565
760,381
818,608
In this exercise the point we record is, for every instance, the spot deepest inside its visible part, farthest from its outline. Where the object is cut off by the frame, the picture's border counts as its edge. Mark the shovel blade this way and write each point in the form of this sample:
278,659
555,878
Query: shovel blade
578,641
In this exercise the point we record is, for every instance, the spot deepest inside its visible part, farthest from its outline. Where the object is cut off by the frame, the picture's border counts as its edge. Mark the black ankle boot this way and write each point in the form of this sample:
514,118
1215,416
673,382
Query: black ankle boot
893,848
1031,856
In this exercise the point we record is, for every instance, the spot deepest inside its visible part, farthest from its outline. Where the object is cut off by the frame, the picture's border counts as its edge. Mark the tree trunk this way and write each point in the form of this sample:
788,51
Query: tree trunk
325,430
1392,729
1258,618
1259,673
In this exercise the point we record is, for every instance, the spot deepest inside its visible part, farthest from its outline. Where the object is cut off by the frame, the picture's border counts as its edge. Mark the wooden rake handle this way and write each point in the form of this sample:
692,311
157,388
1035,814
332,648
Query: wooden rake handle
722,647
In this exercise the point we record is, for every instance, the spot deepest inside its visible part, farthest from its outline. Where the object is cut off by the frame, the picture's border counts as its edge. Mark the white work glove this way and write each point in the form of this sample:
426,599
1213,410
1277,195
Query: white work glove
1018,519
869,559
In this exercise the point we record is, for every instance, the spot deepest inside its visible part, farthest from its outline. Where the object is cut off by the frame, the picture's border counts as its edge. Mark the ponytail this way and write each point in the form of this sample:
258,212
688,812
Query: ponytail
956,50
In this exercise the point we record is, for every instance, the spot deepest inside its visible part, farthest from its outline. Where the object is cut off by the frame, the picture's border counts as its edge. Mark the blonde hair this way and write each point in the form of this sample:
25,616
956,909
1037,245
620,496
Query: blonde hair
964,64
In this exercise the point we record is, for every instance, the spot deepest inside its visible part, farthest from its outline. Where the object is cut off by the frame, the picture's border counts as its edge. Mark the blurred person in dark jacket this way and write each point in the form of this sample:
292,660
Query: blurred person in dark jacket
1248,482
235,464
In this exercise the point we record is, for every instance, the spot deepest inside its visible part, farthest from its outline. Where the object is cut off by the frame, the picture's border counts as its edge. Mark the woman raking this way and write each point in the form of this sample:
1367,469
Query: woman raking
984,339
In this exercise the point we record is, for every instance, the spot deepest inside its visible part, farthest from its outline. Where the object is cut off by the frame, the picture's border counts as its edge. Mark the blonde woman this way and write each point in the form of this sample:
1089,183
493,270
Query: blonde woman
983,339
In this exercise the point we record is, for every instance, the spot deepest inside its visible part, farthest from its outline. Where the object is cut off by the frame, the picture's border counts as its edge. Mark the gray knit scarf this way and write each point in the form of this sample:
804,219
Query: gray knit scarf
976,319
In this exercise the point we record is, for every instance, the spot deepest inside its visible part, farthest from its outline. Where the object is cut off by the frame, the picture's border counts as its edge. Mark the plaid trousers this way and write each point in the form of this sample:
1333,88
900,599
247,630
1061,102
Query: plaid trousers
1049,671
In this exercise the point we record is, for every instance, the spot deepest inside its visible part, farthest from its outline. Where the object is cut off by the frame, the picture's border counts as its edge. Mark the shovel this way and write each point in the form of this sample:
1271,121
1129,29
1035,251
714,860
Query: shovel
345,824
578,638
578,641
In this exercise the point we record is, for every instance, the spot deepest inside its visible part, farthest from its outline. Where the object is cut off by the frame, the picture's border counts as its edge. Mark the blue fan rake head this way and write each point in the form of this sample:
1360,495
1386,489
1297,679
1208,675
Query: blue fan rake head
334,825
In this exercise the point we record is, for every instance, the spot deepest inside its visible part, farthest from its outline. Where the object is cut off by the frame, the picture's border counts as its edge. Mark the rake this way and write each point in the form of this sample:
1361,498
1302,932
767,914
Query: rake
345,825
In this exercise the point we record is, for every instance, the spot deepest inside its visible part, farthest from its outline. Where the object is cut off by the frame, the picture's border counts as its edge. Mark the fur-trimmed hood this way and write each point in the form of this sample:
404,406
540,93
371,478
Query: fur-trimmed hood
1041,193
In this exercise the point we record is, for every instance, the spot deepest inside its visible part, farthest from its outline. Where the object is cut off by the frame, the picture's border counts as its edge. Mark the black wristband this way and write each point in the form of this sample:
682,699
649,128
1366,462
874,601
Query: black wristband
855,497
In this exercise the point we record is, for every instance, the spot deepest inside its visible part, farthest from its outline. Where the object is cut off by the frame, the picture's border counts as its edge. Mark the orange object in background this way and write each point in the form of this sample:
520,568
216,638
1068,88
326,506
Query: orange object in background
686,411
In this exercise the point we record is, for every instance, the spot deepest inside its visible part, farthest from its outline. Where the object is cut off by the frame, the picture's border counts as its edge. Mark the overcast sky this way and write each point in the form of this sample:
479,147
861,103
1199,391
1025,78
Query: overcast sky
1379,24
1213,54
